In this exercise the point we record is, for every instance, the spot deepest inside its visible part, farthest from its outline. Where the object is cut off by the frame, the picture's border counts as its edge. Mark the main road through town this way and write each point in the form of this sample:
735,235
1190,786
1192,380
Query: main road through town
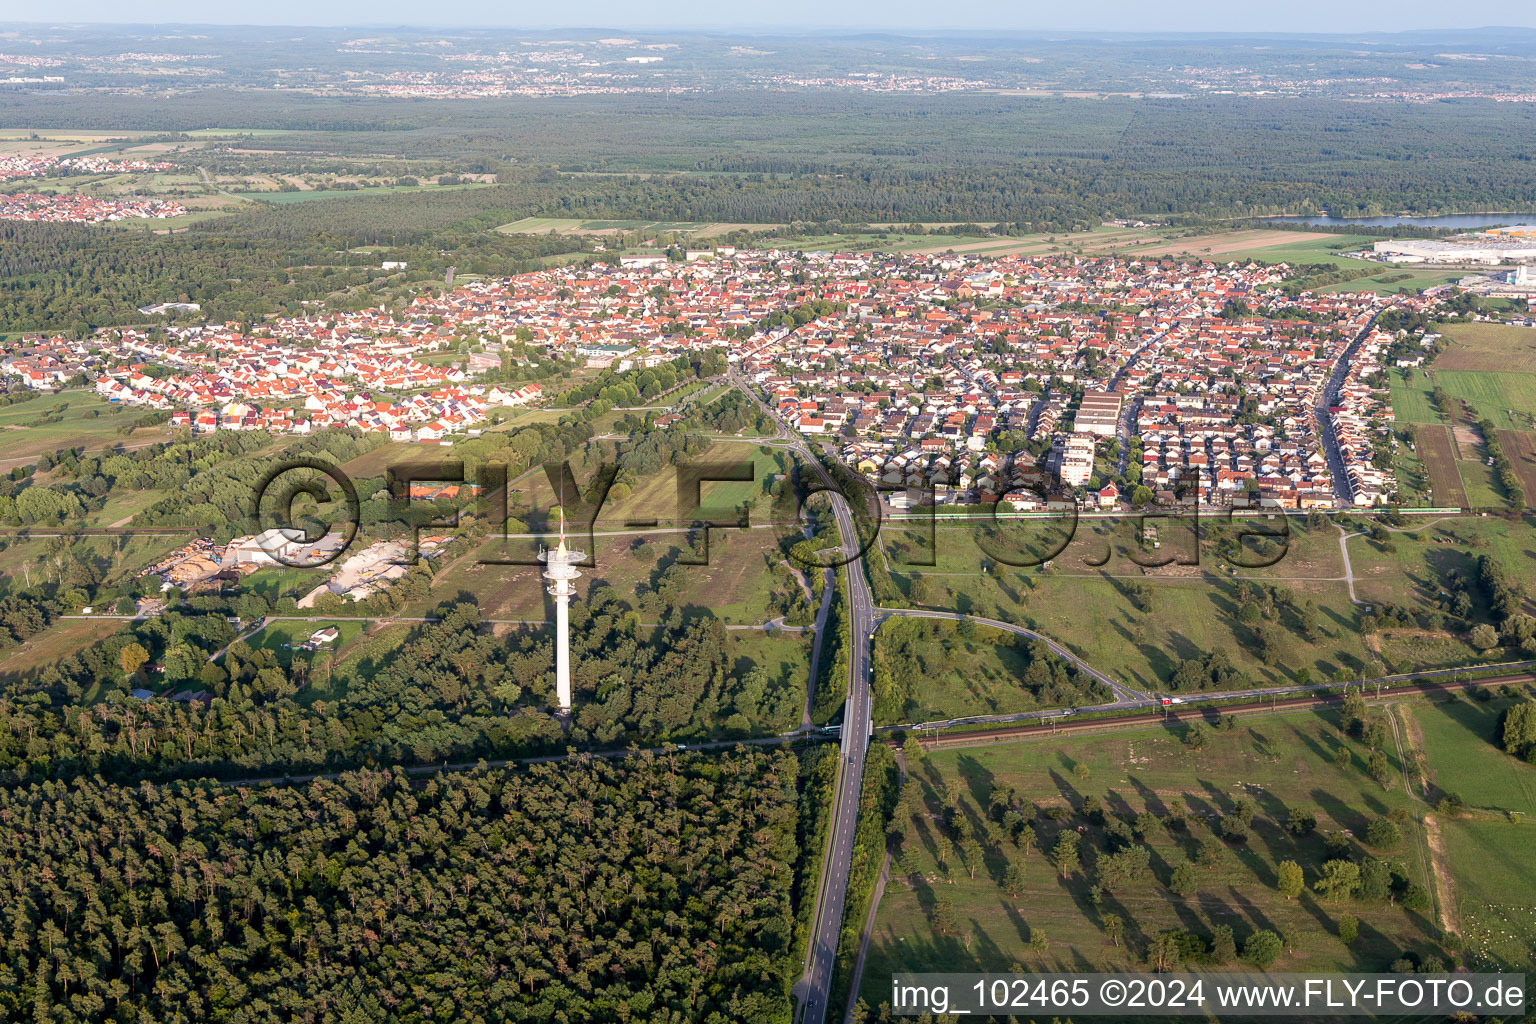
1342,488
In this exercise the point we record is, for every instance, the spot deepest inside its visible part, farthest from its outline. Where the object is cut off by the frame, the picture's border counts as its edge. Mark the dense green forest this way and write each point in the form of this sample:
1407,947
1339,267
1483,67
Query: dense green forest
75,278
647,890
1042,164
1024,164
451,690
974,156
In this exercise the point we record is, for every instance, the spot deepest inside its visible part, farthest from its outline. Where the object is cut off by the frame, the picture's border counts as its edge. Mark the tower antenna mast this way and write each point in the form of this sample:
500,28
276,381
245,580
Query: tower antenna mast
560,571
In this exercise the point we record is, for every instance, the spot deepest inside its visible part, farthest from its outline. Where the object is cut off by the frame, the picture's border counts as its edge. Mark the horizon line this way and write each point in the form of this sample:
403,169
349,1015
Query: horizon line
840,30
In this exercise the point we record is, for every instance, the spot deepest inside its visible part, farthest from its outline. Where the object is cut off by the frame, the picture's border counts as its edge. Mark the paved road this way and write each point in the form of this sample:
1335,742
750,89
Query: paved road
1128,407
814,987
855,981
1349,571
1341,487
822,955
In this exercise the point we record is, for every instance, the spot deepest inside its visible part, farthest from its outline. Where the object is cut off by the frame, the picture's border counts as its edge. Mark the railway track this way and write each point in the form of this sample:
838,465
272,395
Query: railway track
1195,713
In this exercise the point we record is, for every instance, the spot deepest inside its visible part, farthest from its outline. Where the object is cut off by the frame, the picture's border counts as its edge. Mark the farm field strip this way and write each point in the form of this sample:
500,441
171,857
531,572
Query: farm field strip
1502,348
1508,399
1439,457
1520,447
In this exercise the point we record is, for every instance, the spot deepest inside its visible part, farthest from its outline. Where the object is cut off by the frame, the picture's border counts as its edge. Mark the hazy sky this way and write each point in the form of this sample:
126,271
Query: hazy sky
1105,15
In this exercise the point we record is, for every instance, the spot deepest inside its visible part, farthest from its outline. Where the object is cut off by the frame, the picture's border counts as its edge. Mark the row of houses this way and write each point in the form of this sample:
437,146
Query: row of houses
83,209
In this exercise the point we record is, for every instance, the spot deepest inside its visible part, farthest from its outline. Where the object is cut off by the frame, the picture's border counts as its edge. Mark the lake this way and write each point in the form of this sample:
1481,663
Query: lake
1454,220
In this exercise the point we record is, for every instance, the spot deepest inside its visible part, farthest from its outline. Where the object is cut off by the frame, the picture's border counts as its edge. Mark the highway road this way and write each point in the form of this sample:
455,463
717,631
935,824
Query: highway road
815,986
822,956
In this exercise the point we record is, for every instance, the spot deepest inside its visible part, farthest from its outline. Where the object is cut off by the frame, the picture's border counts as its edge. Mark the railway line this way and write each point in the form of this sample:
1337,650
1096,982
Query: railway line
1195,713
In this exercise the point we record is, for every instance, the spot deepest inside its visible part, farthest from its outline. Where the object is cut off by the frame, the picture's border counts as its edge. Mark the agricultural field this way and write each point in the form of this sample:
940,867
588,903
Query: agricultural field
359,658
393,453
1495,347
121,506
1481,483
69,419
1508,399
1520,447
1459,735
1273,245
577,226
120,556
655,497
311,194
1397,282
737,585
1489,845
55,643
1413,487
1439,458
1496,914
277,582
979,913
658,498
1411,401
526,416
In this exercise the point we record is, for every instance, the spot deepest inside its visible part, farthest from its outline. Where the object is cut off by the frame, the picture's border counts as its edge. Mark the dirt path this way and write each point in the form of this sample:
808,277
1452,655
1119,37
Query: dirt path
869,929
1414,735
1410,739
1445,890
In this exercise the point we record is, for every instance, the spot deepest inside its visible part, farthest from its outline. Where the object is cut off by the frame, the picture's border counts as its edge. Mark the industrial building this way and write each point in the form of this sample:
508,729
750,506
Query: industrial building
1098,413
1486,249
